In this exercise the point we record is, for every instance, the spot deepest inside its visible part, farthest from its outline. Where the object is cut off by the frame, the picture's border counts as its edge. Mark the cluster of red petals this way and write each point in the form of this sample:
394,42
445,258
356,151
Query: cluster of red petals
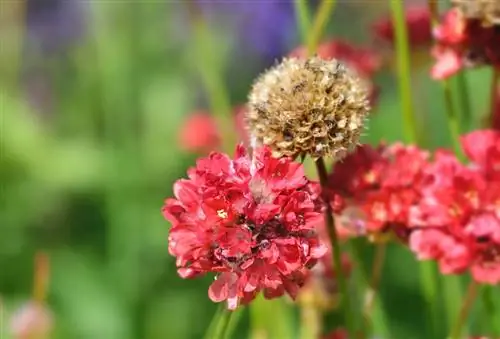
251,221
364,61
418,25
380,185
462,42
200,134
457,220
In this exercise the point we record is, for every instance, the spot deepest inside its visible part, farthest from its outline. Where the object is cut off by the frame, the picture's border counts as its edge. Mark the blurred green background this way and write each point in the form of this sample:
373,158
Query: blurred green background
93,95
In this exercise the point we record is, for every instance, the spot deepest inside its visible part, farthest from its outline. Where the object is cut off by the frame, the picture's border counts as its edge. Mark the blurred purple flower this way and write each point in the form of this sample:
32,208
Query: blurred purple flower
53,24
262,27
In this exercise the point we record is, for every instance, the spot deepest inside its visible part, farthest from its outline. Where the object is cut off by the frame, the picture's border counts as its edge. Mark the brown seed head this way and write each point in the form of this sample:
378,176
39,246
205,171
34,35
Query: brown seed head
313,106
488,11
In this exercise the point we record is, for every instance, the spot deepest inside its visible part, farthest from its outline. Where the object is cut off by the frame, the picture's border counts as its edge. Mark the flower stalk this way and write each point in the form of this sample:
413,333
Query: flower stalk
467,304
324,13
335,245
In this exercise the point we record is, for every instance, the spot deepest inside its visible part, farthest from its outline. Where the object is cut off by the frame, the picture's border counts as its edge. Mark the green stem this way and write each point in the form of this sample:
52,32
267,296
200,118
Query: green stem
452,294
495,78
467,304
489,308
452,119
335,247
428,284
219,325
233,322
464,99
404,73
324,13
303,17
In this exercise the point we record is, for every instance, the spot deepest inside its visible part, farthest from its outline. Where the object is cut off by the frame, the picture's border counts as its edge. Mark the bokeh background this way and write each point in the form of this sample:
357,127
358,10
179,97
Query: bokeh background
93,96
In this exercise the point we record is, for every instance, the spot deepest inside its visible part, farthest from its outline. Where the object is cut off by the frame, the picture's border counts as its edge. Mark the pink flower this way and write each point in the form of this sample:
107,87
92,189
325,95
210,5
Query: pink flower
457,220
249,221
383,185
32,321
199,133
463,42
364,61
418,23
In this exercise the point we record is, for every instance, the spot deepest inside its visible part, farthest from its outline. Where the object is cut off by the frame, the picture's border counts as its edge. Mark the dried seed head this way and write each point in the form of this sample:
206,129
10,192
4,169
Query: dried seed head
488,11
313,106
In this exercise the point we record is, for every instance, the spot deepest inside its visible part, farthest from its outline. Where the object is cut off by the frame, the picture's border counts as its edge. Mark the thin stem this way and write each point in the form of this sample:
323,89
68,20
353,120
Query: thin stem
324,13
310,318
495,79
404,72
452,291
41,279
233,322
335,245
378,264
434,10
489,308
452,119
464,99
303,18
467,304
219,324
428,284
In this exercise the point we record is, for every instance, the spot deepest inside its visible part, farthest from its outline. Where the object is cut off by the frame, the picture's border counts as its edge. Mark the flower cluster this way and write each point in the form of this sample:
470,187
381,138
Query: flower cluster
381,185
457,221
251,221
468,36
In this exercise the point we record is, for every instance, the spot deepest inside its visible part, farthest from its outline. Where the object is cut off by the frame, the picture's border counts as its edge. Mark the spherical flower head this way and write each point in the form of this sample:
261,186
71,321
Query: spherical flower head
486,11
418,23
32,320
199,133
249,221
308,106
364,61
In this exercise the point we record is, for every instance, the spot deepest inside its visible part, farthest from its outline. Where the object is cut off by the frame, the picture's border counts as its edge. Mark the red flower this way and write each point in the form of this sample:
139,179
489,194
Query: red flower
337,334
364,61
464,42
418,25
382,184
199,133
457,221
252,222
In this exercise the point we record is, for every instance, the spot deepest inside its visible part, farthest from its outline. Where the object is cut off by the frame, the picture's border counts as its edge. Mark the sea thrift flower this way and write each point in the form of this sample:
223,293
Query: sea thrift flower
381,185
32,321
457,221
251,222
199,133
418,23
312,106
465,39
364,61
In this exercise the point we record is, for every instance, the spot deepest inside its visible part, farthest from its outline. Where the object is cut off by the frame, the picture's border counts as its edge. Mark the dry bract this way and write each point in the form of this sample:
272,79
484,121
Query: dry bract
488,11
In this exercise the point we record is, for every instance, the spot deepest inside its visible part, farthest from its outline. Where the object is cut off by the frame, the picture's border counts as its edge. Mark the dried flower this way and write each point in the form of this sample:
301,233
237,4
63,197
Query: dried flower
250,222
464,42
364,61
486,11
313,106
32,321
457,221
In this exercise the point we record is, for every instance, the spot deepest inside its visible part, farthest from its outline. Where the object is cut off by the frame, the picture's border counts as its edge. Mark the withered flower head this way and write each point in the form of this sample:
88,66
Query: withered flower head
308,106
487,11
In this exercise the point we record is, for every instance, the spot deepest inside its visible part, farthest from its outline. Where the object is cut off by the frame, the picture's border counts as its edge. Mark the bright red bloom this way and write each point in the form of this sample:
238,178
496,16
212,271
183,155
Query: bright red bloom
457,221
252,222
418,25
382,184
199,133
364,61
464,42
